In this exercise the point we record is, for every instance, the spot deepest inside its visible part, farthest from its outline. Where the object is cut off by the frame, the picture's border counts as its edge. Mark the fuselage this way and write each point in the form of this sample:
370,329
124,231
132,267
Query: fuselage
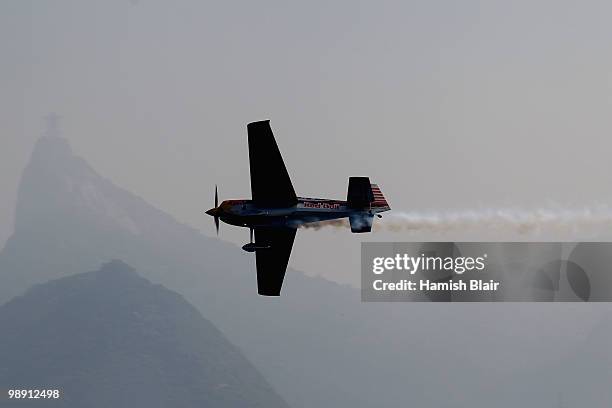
244,213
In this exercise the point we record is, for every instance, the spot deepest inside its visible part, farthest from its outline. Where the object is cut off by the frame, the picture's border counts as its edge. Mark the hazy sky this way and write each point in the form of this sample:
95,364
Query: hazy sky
445,104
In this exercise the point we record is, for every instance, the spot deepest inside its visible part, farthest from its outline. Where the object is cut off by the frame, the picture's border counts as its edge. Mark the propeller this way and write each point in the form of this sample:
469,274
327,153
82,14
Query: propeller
215,211
216,205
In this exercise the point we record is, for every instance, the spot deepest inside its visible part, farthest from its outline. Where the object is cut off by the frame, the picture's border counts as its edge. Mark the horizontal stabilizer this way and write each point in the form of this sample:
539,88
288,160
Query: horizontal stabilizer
361,222
359,193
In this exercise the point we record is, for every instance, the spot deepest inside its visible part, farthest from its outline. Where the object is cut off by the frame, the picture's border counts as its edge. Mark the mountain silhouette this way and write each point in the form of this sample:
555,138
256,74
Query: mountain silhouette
70,219
110,338
317,344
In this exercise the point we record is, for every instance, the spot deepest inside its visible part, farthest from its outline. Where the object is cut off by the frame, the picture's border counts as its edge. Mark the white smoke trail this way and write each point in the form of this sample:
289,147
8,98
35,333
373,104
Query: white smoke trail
522,221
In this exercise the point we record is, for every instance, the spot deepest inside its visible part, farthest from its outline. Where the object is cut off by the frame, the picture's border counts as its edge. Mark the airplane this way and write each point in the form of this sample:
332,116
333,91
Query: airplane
275,211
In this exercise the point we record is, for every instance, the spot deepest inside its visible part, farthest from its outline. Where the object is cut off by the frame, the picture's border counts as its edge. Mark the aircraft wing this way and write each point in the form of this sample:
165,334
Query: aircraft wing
270,182
272,262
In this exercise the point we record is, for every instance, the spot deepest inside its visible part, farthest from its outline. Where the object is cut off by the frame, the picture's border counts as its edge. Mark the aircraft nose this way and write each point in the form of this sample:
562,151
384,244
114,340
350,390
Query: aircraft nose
212,212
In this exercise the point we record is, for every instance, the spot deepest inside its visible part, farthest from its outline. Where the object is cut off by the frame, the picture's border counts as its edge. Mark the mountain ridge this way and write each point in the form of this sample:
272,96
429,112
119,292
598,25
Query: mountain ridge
317,344
111,338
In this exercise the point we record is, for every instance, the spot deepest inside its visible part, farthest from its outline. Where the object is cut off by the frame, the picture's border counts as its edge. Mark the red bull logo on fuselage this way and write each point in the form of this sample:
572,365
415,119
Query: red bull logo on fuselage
322,204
